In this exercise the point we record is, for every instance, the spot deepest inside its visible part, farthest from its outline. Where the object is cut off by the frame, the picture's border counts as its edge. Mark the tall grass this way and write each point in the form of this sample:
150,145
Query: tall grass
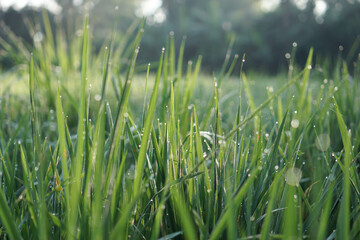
177,168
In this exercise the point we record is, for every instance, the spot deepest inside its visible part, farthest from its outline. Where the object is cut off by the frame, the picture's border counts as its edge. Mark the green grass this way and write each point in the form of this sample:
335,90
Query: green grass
172,153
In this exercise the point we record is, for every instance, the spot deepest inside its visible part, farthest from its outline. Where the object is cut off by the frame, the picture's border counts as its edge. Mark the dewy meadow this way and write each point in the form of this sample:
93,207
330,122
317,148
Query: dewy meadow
94,146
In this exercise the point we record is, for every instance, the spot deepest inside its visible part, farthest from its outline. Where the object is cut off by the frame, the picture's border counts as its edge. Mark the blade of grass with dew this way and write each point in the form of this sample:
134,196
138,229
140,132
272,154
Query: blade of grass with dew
76,165
165,88
305,80
263,105
343,224
172,135
200,155
38,155
184,115
122,105
172,57
63,149
147,129
120,229
29,188
7,218
209,112
159,216
117,193
145,96
238,198
184,215
231,229
5,170
97,159
190,83
324,219
290,219
178,82
266,226
227,58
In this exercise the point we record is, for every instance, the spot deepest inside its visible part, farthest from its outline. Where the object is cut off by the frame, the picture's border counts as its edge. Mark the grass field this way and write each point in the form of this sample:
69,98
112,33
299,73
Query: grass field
91,147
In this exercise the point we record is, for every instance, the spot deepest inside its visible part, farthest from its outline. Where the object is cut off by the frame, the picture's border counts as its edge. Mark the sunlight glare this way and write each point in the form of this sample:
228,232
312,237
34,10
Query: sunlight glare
19,4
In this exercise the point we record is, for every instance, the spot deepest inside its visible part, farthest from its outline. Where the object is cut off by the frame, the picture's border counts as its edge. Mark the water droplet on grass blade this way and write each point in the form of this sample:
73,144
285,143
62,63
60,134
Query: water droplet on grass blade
97,97
322,142
295,123
38,37
293,176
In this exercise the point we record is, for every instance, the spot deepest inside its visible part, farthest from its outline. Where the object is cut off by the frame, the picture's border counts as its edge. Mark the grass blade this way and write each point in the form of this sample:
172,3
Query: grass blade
147,129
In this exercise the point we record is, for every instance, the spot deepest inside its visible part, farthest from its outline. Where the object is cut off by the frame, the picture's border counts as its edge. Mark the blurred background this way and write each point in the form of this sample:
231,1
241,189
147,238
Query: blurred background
264,30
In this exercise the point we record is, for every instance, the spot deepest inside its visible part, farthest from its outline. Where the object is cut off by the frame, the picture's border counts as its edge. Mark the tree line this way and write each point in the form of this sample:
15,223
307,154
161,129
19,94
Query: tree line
210,26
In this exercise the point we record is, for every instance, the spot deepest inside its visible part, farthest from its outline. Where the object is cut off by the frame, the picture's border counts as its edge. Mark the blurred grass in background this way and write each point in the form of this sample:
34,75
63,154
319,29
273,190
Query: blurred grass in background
264,29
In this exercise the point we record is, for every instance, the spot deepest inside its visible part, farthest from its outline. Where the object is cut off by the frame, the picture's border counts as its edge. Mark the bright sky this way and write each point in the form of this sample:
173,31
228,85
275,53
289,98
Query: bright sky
149,7
18,4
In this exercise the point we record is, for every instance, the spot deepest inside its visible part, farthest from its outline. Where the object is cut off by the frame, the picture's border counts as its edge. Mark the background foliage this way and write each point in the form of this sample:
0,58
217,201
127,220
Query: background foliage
268,35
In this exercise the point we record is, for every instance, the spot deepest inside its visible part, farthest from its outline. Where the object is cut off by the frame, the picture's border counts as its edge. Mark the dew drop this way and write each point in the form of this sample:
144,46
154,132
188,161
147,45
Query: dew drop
322,142
97,97
293,176
295,123
38,37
